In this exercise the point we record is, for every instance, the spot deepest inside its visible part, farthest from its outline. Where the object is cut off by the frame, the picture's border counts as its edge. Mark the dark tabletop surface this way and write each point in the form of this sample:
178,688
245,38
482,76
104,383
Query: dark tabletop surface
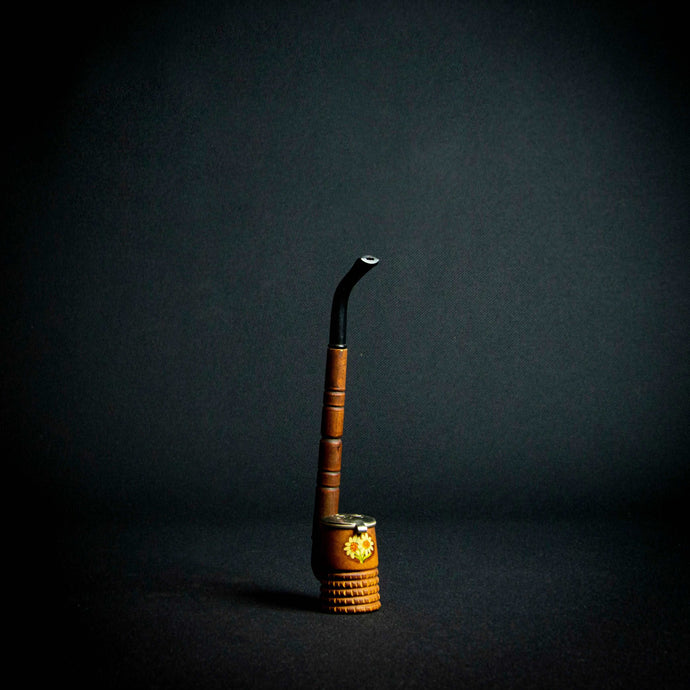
477,603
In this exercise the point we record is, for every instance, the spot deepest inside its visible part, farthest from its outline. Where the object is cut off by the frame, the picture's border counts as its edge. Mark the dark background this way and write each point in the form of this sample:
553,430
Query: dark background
189,181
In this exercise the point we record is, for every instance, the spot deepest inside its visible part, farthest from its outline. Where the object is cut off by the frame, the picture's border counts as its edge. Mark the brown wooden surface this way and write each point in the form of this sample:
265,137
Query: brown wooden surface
333,592
347,585
350,576
332,421
350,592
331,543
361,608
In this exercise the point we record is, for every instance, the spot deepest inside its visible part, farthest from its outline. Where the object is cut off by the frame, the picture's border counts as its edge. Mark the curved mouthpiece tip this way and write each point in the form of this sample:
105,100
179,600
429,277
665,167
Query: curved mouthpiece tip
339,307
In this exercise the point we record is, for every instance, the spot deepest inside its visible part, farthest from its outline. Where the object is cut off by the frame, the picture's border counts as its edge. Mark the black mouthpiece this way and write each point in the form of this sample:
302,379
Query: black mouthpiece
337,337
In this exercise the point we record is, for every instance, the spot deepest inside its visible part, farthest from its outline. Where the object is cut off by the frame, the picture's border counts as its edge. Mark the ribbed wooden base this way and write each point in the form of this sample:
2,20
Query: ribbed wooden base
351,592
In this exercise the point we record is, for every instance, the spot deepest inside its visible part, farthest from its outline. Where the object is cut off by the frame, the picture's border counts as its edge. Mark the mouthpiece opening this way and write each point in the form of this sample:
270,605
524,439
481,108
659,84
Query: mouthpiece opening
372,260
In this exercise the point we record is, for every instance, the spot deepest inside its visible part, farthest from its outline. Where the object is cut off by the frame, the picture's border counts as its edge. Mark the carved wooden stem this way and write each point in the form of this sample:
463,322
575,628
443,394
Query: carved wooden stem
331,444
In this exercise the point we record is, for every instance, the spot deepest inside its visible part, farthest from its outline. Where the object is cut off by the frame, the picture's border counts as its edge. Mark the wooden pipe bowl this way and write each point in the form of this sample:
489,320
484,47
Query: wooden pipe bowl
345,559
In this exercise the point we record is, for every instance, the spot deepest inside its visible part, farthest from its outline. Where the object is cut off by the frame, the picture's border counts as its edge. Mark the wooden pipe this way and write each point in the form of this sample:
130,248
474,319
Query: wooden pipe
344,549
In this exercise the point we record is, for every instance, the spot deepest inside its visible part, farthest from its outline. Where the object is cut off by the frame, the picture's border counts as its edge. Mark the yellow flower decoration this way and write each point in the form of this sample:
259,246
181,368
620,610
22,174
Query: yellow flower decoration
366,545
352,547
359,546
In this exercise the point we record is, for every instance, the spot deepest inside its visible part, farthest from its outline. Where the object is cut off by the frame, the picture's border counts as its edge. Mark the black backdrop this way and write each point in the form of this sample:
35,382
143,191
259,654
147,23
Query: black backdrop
189,181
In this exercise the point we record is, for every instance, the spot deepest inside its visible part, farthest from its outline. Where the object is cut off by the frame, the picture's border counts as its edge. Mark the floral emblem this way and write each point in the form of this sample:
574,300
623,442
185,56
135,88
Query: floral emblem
360,547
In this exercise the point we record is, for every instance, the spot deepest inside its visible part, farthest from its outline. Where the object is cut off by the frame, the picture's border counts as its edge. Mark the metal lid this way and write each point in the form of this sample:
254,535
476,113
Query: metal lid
361,523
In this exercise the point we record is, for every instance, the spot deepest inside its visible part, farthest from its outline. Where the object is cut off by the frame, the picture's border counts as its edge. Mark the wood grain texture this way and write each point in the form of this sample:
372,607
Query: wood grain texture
364,583
349,579
331,446
334,592
350,592
360,608
332,544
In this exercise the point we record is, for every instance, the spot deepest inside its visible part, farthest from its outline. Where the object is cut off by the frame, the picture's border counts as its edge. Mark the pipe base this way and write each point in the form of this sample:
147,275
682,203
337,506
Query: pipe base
350,592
